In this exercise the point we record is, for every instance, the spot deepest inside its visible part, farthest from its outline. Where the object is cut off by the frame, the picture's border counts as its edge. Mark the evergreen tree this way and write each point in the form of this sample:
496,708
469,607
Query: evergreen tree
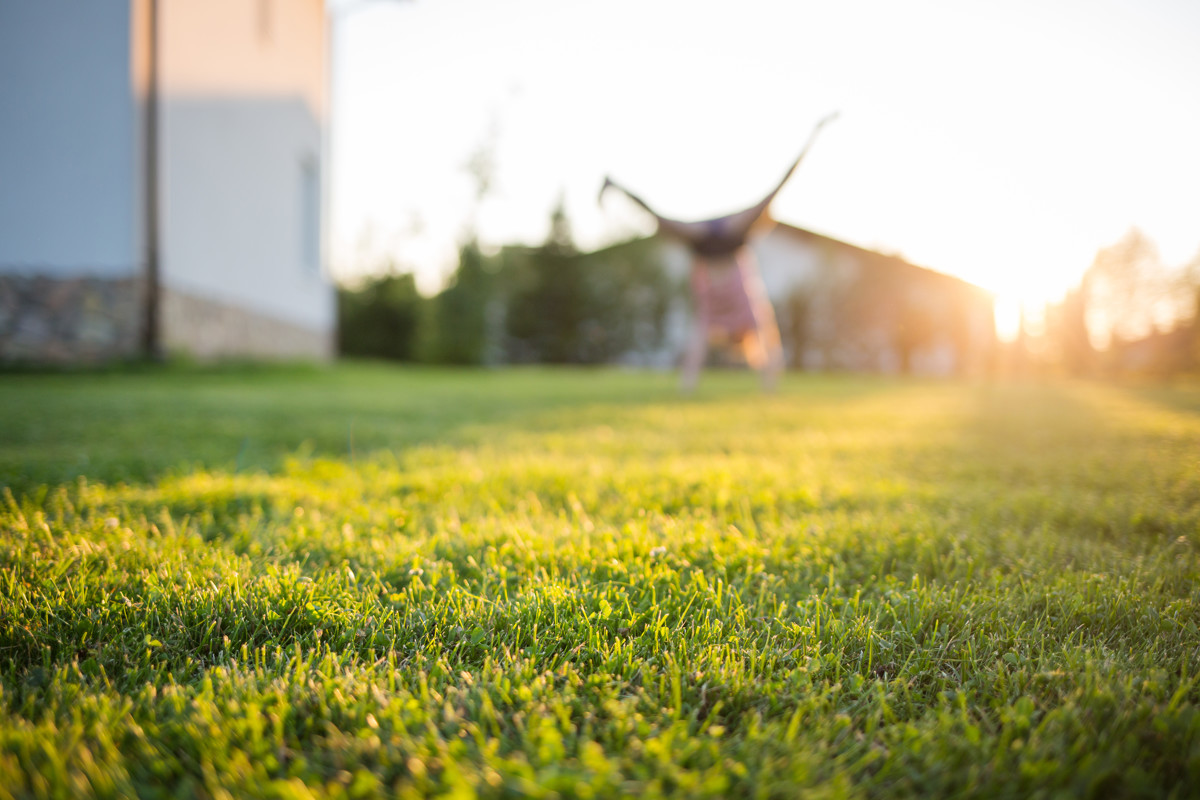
548,303
381,318
457,331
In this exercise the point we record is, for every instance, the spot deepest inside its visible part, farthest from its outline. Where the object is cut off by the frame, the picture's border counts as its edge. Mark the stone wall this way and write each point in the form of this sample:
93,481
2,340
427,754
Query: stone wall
89,320
208,329
74,320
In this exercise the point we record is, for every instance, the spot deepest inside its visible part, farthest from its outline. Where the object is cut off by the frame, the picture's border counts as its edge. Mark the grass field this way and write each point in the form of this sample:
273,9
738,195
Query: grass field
367,581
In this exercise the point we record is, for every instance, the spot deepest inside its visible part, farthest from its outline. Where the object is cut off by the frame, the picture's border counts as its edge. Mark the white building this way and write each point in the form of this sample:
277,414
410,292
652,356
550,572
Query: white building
176,143
841,307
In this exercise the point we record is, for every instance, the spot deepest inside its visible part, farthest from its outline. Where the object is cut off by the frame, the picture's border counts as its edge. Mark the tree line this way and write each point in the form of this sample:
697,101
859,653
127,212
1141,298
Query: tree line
545,304
1130,314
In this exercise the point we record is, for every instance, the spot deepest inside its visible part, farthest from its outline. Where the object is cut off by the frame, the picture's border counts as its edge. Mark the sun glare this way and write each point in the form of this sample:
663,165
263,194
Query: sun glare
1027,292
1008,317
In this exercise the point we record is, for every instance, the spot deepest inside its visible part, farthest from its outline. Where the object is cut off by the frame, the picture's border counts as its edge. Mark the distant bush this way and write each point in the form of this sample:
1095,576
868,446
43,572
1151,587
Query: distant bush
381,319
563,306
456,330
547,304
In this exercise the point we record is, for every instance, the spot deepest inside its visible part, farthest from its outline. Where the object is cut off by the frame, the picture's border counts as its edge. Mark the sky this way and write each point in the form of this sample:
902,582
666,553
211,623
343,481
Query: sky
1002,142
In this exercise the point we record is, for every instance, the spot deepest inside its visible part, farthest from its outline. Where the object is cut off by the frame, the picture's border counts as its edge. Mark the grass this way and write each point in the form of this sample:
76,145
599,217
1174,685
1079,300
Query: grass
365,581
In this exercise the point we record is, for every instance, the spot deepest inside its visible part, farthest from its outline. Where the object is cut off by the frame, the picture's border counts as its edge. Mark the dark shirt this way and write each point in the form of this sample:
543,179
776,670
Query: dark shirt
720,238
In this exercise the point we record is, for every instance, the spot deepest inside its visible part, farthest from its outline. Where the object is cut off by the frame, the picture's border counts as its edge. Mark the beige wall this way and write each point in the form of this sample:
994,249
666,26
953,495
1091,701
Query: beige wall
829,272
205,329
244,48
242,127
242,120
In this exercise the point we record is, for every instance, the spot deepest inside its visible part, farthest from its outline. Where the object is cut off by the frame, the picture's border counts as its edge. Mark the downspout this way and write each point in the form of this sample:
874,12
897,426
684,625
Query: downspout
151,340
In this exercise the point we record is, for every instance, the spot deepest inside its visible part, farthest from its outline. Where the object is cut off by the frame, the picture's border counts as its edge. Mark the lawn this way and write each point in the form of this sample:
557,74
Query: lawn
367,581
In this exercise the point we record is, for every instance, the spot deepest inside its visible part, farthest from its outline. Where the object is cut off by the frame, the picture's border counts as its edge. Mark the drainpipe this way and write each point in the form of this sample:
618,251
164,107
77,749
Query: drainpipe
151,325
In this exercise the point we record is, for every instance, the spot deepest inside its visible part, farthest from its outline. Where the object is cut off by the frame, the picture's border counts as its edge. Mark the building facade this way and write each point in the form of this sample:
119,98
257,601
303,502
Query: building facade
841,307
162,179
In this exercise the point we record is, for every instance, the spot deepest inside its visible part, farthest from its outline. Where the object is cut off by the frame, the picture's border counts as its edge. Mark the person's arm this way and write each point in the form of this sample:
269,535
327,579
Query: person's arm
688,231
743,221
609,183
812,137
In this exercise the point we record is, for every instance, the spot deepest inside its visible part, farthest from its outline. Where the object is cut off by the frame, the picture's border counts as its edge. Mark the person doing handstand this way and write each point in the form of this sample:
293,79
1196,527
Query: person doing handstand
730,301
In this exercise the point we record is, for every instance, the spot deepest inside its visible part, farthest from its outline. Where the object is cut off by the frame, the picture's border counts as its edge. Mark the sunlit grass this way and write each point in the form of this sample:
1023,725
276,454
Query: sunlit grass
367,581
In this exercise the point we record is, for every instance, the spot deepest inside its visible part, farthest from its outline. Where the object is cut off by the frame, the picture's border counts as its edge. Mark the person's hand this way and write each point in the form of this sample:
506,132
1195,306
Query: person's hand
607,183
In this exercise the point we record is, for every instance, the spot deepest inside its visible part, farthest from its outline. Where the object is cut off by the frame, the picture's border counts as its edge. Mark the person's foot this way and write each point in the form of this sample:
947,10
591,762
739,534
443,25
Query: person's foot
607,183
771,373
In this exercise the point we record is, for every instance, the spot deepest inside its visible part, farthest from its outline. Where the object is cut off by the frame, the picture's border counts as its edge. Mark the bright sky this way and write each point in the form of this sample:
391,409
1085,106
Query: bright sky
1004,142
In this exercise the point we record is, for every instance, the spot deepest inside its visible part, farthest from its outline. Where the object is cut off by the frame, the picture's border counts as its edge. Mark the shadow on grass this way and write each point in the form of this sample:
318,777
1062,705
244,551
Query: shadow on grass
1182,395
133,426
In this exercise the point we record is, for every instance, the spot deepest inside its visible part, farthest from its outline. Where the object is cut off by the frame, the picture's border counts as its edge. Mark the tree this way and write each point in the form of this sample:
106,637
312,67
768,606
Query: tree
1067,332
548,305
456,330
564,306
1190,294
628,297
380,319
1126,291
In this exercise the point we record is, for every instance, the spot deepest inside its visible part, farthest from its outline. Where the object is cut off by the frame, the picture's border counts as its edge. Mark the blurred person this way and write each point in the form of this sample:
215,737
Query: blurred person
730,302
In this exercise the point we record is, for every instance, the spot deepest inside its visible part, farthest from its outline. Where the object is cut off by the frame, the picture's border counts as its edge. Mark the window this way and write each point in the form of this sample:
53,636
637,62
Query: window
310,215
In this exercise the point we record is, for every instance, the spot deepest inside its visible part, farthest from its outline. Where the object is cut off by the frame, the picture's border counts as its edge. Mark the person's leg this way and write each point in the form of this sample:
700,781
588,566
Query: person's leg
764,353
764,346
739,224
752,349
696,349
771,348
694,355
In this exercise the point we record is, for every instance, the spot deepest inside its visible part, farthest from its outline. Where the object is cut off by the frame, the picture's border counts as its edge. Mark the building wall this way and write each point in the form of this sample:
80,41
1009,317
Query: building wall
70,253
243,117
841,307
241,176
206,329
784,265
64,319
854,309
67,152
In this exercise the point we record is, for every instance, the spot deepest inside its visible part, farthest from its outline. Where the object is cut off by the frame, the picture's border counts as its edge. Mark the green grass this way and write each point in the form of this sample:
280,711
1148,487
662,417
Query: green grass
365,581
